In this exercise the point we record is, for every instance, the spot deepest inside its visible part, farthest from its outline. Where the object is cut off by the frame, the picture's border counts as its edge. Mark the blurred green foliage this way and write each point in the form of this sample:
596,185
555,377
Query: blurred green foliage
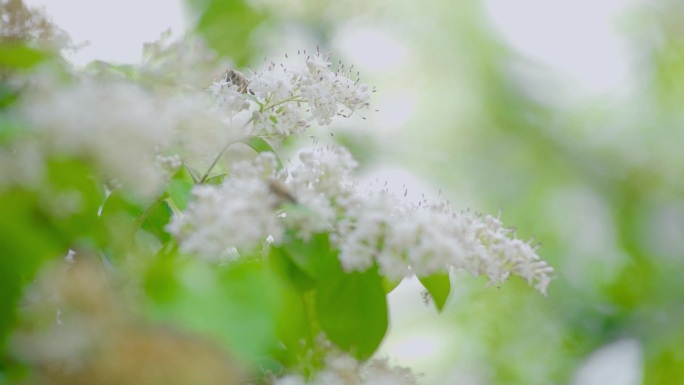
227,26
540,162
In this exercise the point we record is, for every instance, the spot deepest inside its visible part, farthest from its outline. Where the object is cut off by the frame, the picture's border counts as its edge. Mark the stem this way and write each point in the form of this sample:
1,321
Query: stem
223,151
138,222
292,99
230,143
312,358
309,311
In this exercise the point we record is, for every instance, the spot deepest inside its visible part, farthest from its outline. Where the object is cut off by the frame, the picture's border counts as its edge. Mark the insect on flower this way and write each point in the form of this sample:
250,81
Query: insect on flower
279,189
238,79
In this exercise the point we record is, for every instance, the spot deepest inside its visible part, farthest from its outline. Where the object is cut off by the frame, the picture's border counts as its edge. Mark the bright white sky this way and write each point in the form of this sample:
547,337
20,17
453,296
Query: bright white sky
117,29
578,38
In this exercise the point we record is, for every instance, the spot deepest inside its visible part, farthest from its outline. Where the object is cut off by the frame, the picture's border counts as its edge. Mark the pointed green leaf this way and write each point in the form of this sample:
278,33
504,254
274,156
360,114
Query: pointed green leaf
352,308
196,175
216,179
156,221
390,284
439,287
179,190
307,254
260,145
283,263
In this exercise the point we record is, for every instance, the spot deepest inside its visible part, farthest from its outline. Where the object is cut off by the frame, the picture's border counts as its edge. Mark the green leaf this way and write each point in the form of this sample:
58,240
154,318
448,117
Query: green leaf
260,145
123,216
179,191
389,284
10,130
27,239
294,327
237,306
307,255
75,200
120,219
118,203
351,308
17,56
194,174
283,263
216,179
439,287
7,96
227,26
156,221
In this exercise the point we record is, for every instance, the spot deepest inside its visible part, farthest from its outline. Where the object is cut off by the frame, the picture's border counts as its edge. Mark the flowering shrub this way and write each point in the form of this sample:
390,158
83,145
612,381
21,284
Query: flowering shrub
179,243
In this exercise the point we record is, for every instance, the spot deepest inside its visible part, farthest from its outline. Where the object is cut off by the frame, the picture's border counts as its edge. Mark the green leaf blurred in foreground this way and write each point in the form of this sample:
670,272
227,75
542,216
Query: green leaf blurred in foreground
236,305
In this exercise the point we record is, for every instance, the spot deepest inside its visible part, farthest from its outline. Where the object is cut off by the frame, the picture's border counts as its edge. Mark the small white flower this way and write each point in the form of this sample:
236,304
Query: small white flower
326,171
273,83
428,238
379,372
168,164
228,99
283,98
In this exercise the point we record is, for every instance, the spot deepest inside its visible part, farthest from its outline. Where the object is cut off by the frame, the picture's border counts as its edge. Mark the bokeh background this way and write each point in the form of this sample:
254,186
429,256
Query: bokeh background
567,116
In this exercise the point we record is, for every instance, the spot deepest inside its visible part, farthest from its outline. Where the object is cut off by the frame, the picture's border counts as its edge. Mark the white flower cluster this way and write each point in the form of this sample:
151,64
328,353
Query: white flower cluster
344,370
283,98
406,239
240,213
321,183
429,238
244,211
367,227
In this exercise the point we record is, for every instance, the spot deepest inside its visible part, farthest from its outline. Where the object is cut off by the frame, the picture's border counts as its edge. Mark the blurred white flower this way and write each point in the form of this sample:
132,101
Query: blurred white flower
200,131
188,63
117,125
344,370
